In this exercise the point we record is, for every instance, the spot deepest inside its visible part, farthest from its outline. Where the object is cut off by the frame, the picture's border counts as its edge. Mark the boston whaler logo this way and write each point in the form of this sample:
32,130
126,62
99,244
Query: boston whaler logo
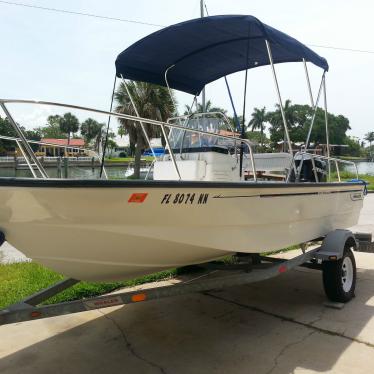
357,196
185,198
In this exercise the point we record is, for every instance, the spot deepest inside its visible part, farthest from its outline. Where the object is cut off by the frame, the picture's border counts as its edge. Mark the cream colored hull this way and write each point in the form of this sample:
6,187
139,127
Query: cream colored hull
95,233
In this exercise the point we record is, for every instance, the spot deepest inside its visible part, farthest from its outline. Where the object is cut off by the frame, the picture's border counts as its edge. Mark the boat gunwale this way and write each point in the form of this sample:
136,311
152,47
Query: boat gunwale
102,183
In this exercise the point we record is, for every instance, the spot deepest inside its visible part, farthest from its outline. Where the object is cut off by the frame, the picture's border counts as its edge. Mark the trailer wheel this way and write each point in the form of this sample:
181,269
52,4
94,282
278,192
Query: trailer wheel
339,277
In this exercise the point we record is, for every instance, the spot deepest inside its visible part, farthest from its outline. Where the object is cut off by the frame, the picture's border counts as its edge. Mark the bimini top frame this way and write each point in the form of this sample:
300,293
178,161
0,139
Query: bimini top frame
188,55
203,50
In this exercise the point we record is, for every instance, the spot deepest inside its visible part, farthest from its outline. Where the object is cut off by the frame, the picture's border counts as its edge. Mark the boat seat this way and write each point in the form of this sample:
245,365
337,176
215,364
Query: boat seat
270,162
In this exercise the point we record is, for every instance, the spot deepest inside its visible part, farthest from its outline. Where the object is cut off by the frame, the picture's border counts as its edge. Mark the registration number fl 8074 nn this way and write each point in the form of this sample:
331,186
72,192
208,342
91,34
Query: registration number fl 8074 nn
185,198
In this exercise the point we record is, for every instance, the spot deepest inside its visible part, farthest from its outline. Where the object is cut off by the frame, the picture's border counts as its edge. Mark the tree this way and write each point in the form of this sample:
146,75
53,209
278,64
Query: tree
32,135
370,138
69,124
121,131
257,137
111,145
277,131
208,108
151,101
298,122
8,130
257,121
93,131
354,148
52,128
236,123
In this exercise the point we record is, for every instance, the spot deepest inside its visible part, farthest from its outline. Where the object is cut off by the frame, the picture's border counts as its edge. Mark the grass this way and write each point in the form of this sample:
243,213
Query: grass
20,280
355,158
283,250
346,176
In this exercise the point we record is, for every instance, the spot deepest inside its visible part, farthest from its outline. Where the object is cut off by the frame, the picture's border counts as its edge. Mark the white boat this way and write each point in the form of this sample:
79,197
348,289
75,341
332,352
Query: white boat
210,195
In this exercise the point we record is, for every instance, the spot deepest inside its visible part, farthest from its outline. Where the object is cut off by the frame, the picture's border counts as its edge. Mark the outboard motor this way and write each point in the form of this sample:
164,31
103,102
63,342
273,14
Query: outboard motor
307,173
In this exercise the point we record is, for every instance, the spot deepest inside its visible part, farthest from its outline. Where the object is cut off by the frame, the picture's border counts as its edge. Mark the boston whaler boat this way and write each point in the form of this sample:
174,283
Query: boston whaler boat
208,197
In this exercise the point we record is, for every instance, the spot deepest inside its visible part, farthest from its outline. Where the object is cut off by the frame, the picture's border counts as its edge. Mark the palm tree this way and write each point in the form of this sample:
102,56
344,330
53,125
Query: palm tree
69,124
259,117
93,130
151,101
370,138
208,108
121,131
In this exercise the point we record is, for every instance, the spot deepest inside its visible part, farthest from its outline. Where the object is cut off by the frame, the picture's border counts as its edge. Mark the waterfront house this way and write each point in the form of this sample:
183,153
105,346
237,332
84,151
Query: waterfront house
70,150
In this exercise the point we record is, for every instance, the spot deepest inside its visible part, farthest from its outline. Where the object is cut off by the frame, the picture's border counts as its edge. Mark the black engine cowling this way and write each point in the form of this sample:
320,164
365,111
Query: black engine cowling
307,173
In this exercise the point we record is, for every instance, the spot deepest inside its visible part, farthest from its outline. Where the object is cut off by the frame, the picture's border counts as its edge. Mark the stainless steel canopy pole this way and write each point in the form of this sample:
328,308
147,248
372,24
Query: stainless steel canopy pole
102,168
27,146
311,126
171,152
167,85
203,105
327,126
314,113
236,120
308,83
26,159
163,127
137,114
279,97
146,135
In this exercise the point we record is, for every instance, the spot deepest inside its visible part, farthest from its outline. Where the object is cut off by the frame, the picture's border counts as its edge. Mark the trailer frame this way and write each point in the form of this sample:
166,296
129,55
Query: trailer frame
253,270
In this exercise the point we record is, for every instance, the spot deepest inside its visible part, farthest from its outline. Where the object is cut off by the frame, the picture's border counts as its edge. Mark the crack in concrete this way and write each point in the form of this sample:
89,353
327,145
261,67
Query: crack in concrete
129,346
222,315
286,347
319,318
289,319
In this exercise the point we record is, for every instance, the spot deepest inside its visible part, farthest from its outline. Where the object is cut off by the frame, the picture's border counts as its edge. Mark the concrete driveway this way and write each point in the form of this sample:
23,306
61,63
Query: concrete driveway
276,326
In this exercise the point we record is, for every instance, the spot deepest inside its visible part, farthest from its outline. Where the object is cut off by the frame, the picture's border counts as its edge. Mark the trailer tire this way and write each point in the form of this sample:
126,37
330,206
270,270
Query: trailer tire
339,277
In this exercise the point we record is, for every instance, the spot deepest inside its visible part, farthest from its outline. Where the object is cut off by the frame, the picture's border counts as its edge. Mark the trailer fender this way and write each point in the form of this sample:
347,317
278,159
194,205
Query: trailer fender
333,245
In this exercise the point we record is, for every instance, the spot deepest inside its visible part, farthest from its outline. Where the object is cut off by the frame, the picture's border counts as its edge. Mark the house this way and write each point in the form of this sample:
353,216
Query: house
122,147
62,148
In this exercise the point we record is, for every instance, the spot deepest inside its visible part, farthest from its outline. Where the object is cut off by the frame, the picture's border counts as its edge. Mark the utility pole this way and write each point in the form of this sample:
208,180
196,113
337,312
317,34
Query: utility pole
203,91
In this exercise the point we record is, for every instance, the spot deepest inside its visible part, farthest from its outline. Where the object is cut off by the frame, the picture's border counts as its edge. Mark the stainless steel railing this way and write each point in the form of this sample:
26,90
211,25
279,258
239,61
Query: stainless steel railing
335,161
139,120
24,157
130,118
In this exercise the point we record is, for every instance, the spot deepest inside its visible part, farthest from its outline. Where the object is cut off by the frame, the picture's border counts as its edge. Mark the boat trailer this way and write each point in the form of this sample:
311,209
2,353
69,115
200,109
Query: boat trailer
334,257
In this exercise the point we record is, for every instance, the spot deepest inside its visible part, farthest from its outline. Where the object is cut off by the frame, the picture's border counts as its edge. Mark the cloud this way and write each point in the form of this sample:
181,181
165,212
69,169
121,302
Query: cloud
30,119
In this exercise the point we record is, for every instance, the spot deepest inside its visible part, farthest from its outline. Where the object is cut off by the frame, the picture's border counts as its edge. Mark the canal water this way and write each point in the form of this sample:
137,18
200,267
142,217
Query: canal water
74,172
365,168
122,172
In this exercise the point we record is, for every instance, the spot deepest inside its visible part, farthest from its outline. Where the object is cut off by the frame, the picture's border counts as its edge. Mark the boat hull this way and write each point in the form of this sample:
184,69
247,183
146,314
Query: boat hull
104,230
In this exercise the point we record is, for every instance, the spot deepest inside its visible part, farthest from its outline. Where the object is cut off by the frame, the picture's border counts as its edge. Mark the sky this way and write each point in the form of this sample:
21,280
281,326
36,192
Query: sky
69,58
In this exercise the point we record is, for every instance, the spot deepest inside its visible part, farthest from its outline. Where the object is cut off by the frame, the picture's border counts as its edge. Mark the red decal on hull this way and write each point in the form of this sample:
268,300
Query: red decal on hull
137,197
